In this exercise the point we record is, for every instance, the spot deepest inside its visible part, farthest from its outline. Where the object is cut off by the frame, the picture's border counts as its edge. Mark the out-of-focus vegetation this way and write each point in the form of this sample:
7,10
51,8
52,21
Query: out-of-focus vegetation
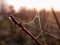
11,34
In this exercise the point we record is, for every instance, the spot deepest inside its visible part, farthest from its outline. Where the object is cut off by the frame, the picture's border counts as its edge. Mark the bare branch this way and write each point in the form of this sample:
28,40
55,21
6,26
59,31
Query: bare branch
24,29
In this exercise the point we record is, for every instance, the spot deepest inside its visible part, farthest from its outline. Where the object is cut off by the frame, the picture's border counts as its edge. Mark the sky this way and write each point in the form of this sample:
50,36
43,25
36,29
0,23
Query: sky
38,4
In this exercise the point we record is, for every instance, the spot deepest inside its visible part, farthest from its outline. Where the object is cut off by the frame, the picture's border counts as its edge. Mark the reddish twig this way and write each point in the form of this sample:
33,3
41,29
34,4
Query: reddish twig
26,30
57,21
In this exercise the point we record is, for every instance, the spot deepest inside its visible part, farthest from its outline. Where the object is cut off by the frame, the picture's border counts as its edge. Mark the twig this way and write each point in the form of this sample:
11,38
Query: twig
56,18
24,29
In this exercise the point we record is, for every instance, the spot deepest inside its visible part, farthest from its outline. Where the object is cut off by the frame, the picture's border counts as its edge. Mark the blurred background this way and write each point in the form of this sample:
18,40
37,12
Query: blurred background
41,23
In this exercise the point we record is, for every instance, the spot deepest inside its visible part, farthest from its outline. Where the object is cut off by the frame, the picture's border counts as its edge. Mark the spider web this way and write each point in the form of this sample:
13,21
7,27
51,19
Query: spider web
31,25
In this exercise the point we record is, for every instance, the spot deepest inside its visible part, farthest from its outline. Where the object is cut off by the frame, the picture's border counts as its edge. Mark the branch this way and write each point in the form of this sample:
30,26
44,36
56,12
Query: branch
57,21
24,29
